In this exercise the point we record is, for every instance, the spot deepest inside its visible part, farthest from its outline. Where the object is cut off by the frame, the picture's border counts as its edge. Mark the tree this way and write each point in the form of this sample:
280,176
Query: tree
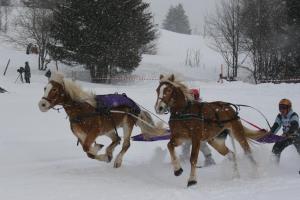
293,34
32,27
107,37
176,20
46,4
224,28
4,8
264,23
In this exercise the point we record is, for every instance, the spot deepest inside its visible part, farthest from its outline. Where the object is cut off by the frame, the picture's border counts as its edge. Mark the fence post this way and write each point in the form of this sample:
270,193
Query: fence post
6,67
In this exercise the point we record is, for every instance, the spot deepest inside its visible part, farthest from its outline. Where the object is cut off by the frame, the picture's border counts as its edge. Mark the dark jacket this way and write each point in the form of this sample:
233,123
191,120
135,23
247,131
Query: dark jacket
27,70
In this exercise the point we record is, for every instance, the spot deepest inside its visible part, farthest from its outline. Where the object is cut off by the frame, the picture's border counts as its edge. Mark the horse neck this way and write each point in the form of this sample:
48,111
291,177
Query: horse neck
74,108
180,102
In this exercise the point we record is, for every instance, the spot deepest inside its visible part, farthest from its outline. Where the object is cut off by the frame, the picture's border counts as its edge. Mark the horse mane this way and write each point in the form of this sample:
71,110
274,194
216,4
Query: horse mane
73,89
78,94
178,84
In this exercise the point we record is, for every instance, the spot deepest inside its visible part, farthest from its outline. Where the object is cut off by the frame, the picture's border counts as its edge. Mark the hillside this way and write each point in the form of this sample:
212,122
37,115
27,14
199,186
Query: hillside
172,53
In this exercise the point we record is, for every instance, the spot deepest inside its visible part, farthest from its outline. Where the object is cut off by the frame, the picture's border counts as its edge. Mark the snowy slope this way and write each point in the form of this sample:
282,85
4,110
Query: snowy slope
40,159
171,57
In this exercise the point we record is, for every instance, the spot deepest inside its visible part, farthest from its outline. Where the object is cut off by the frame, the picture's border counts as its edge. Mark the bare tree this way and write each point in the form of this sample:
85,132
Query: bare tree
264,24
32,27
224,29
4,11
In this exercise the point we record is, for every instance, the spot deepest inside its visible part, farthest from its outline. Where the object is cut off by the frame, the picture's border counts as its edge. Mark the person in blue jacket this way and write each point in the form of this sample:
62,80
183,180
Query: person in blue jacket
288,120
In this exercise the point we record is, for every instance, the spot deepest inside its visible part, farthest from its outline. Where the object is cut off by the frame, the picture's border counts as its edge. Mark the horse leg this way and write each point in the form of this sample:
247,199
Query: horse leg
174,159
219,145
92,150
110,149
193,160
127,129
238,133
87,145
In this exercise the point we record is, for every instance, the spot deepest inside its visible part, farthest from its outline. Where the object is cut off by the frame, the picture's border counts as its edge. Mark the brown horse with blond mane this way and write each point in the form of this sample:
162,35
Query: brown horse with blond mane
199,121
88,120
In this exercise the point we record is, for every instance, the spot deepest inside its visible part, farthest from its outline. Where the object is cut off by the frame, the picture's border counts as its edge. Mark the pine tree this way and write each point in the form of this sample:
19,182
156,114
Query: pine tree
177,21
106,36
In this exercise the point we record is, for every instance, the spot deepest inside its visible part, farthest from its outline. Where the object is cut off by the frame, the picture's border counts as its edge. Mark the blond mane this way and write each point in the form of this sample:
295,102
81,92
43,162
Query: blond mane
178,84
78,94
74,90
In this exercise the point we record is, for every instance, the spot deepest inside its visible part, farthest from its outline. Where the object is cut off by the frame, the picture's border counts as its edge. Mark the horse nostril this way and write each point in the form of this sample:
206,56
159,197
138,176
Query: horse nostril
160,108
43,105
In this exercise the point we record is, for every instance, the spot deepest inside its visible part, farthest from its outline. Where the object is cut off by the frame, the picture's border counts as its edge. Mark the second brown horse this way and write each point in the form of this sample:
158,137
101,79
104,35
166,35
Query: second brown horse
195,121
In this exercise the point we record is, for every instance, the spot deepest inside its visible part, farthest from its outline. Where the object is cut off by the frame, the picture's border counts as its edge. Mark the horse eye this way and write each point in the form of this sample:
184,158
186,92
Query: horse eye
44,88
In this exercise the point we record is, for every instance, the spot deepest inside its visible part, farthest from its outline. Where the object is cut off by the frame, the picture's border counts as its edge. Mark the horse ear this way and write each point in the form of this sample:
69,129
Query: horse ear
172,78
161,77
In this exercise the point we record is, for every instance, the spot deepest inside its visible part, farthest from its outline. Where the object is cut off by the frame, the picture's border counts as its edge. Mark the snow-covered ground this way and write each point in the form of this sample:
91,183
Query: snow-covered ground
40,159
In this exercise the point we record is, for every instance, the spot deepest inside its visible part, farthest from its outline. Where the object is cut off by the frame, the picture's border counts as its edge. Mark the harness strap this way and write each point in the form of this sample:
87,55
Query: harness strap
79,118
187,116
218,120
114,124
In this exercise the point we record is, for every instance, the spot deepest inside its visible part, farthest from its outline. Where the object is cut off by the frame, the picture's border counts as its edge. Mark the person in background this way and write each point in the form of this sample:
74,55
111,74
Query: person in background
289,121
27,73
220,80
48,74
20,71
186,147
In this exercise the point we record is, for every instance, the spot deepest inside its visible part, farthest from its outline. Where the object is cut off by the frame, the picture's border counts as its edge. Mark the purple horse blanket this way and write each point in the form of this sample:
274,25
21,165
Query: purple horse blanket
110,101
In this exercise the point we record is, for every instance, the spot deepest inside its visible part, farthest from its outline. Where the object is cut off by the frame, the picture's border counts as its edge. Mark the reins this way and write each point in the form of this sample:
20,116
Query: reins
247,106
78,119
152,113
185,116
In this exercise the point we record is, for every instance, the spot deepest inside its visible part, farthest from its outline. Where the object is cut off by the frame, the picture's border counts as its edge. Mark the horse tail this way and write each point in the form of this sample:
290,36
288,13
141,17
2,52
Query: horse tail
254,134
249,133
148,126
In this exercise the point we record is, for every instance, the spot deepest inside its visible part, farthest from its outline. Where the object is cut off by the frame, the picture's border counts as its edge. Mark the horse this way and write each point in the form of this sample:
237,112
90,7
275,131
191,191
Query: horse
90,119
199,121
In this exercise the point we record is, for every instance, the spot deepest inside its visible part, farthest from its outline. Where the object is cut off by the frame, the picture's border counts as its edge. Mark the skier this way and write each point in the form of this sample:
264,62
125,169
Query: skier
203,146
289,121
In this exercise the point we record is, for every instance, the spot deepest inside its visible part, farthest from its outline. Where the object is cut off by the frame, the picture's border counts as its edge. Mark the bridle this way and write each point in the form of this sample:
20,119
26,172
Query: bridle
171,100
63,94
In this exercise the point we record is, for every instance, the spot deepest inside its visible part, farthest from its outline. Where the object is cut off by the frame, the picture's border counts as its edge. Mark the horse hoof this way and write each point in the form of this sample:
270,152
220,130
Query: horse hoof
109,158
117,165
191,183
178,172
91,156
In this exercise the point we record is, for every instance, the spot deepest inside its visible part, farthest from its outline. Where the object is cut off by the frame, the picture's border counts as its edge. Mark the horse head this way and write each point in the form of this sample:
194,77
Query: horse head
170,93
54,92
